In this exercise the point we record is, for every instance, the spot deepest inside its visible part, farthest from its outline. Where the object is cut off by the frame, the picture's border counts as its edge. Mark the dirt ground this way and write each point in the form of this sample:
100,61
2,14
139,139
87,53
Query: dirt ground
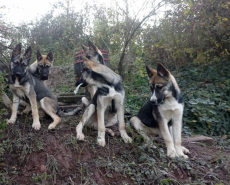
56,157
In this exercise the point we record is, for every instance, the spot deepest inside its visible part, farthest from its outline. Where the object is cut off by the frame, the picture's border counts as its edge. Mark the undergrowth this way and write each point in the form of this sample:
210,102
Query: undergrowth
206,91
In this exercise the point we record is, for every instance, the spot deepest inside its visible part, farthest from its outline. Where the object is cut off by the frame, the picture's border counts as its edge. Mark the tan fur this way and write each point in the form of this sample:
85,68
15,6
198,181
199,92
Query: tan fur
156,79
47,105
44,61
112,77
90,51
85,47
89,64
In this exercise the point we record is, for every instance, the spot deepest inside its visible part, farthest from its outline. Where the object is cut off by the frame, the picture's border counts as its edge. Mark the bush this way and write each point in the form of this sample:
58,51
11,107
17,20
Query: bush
206,93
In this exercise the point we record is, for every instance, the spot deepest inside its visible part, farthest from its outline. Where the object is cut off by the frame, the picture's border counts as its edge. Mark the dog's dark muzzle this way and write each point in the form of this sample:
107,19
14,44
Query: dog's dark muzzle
158,101
44,74
44,77
18,74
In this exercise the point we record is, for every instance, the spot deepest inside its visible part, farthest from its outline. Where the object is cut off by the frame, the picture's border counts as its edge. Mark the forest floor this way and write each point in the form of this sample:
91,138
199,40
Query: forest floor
29,157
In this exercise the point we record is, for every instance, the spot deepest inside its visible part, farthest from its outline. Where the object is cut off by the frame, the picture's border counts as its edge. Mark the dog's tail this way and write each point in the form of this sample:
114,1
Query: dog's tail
71,113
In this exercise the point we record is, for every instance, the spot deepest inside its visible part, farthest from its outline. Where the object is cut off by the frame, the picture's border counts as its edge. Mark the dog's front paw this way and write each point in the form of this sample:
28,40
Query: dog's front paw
36,125
11,121
171,153
185,150
80,136
184,156
126,138
52,126
181,151
101,142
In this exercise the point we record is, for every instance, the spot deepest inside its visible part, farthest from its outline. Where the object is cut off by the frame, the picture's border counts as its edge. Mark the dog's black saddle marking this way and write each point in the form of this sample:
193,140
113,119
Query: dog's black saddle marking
101,91
119,87
102,79
145,114
177,95
98,77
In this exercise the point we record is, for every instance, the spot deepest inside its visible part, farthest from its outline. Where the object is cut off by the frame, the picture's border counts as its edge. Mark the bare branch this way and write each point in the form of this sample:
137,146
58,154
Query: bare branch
131,33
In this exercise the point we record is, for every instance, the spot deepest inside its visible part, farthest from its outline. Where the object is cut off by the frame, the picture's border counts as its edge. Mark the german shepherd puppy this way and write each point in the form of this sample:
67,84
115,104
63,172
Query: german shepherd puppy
93,53
29,88
110,95
41,68
162,113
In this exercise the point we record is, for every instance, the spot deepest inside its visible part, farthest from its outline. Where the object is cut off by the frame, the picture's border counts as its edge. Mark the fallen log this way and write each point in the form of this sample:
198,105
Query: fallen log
201,139
66,107
69,99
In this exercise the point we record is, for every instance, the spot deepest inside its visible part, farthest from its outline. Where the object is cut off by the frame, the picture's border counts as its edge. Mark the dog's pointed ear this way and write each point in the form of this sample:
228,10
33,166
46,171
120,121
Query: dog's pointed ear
39,56
91,45
50,56
162,71
101,59
28,53
149,71
17,50
84,47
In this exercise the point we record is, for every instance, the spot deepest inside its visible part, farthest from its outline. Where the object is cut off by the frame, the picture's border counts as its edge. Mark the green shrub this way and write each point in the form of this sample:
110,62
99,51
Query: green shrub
206,93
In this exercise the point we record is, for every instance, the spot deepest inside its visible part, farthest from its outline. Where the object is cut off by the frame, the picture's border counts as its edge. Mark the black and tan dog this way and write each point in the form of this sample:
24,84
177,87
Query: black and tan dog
162,113
41,68
29,88
110,95
93,53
